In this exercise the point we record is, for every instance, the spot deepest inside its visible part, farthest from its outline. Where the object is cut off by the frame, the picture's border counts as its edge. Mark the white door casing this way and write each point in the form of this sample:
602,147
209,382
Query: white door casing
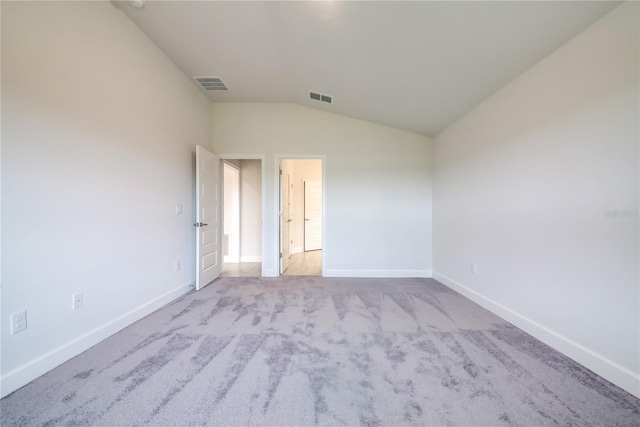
312,215
208,223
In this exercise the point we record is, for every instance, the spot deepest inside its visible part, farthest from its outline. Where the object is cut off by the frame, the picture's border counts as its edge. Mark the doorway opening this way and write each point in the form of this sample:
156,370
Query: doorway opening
242,218
300,209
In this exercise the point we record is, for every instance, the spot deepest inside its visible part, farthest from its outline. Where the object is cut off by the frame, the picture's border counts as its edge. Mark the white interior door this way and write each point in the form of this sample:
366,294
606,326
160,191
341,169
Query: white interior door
289,243
283,213
285,248
312,215
208,223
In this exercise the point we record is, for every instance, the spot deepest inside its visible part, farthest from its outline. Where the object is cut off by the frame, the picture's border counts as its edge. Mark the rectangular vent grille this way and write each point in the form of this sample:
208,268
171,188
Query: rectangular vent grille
320,97
211,83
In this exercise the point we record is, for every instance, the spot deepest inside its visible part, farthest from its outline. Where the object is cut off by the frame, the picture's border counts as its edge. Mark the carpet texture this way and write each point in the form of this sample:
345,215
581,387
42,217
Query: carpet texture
319,351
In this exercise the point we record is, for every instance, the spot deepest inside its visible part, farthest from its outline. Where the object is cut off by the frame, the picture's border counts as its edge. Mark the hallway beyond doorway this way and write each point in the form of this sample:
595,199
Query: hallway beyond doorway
305,264
242,269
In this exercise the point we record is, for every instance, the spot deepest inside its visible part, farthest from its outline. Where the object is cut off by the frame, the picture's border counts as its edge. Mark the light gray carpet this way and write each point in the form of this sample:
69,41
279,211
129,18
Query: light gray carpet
318,351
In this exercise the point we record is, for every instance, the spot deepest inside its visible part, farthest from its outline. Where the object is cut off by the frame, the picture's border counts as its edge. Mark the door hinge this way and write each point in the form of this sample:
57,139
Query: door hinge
280,171
280,254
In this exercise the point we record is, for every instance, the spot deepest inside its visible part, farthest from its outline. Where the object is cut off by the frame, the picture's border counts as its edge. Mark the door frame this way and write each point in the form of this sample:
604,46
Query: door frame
263,214
276,187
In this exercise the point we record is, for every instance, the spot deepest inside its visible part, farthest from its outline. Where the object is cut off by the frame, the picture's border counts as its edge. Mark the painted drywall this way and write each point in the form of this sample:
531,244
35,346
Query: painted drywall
250,210
377,184
98,136
539,187
303,169
231,197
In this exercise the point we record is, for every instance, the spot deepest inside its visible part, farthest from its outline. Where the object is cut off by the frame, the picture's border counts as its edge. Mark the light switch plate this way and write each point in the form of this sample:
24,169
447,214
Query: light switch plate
77,301
178,209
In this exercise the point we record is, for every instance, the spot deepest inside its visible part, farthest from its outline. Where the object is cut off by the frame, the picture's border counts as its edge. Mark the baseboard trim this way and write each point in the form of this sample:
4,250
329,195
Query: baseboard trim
601,365
253,258
28,372
377,273
269,272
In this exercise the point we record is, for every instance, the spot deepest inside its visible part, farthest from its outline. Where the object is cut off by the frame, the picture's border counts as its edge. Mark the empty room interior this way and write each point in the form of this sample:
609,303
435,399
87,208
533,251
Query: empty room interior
320,213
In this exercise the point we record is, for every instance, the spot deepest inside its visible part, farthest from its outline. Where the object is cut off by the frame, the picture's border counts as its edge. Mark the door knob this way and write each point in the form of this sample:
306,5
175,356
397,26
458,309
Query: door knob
307,219
199,224
289,220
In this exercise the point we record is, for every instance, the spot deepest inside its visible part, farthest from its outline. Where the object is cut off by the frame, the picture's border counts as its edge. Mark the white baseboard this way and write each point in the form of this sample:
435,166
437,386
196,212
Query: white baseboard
28,372
269,272
606,368
251,258
377,273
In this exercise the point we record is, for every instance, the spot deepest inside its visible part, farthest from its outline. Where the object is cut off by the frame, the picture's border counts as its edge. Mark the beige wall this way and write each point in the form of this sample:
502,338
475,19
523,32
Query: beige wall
231,240
527,186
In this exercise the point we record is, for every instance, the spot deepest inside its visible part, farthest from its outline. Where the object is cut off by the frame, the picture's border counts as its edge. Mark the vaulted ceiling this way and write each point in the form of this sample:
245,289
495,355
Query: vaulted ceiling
416,66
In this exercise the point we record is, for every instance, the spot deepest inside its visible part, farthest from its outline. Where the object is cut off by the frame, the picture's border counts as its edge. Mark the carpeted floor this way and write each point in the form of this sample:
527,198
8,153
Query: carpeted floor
319,351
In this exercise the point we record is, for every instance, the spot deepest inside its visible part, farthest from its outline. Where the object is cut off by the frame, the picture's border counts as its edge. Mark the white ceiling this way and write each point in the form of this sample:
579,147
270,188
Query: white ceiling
411,65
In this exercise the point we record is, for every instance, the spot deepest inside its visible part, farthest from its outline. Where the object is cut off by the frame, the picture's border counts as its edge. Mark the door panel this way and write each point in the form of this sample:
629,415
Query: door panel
312,215
286,221
208,224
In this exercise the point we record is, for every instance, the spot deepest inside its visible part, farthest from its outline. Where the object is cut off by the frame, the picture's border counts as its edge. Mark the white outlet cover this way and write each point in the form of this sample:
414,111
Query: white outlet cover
18,322
178,209
177,265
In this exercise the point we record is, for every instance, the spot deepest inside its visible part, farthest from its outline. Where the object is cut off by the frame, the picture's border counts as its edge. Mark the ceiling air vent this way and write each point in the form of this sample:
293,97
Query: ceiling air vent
320,97
211,83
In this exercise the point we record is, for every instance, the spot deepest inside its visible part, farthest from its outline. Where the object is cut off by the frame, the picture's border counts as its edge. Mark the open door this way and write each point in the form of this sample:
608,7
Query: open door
285,220
208,223
312,215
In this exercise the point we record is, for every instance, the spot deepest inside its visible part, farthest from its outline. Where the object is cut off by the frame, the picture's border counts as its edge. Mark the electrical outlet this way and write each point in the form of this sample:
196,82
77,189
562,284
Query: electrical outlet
177,265
178,209
77,301
18,322
474,270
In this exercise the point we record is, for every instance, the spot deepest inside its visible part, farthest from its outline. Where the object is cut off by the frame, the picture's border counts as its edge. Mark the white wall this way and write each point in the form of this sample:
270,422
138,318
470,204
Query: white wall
231,197
251,210
98,137
303,169
377,184
523,185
